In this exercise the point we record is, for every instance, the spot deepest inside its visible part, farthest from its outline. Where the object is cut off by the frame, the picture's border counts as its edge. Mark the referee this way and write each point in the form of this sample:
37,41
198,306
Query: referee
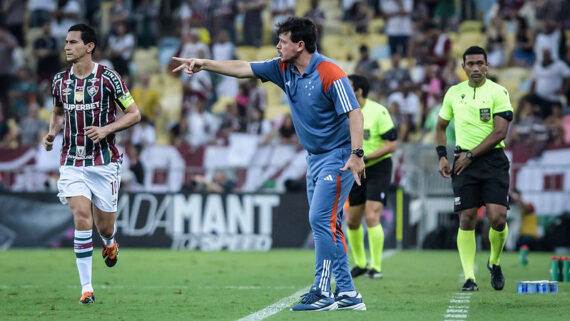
480,173
379,141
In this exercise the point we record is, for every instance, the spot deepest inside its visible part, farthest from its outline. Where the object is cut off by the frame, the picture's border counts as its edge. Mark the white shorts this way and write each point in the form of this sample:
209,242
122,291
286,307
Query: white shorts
100,184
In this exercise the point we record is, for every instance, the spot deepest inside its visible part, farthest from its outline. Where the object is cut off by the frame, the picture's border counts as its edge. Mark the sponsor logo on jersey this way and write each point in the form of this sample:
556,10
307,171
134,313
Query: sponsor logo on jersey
485,114
68,82
66,91
92,90
89,106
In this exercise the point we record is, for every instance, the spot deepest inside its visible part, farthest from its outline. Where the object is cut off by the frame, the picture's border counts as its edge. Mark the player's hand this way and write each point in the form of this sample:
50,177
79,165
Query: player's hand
96,133
356,166
48,141
461,163
444,169
189,65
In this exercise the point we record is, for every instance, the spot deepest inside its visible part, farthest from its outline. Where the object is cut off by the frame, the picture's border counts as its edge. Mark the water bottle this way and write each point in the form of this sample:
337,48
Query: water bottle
554,269
524,255
566,269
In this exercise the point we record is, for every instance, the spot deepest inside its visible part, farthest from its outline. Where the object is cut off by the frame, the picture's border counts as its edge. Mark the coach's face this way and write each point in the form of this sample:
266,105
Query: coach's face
75,49
287,49
475,67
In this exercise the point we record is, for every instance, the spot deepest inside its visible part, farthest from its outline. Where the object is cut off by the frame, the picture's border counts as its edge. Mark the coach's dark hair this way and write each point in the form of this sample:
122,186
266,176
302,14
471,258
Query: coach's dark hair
475,50
87,34
301,29
360,82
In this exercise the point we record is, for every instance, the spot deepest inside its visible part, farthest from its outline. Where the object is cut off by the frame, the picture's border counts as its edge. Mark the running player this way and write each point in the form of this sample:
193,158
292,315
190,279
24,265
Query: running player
86,97
328,122
480,174
370,197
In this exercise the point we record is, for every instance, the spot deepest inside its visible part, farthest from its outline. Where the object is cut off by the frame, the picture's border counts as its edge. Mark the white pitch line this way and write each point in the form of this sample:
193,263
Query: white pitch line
288,301
458,304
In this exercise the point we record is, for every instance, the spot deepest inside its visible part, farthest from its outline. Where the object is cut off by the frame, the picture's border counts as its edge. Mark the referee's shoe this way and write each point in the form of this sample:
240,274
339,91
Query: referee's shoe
497,278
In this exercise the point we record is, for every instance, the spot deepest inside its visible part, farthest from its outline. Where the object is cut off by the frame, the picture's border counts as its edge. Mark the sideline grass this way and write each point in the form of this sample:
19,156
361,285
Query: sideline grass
169,285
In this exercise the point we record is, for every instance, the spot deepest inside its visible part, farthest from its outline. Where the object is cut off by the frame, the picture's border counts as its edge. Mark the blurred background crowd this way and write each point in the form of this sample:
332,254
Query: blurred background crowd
410,50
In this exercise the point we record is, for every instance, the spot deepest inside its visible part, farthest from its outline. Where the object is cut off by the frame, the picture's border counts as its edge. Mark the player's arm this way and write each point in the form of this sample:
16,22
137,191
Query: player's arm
55,125
355,163
440,143
390,144
131,117
501,127
233,68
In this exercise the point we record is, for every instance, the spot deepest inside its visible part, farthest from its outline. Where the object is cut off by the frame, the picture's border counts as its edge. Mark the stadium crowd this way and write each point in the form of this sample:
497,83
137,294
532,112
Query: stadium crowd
410,50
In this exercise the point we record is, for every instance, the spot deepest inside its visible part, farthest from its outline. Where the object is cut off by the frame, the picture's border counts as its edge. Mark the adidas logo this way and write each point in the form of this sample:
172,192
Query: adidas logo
328,178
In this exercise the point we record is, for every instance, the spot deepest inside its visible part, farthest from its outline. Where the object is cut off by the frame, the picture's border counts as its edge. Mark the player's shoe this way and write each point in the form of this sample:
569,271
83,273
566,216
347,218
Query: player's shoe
470,285
357,271
374,274
87,298
315,301
497,278
346,302
110,254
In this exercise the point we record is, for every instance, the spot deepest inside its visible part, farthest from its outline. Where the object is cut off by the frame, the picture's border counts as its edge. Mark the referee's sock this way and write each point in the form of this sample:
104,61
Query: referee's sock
467,248
356,242
497,240
376,244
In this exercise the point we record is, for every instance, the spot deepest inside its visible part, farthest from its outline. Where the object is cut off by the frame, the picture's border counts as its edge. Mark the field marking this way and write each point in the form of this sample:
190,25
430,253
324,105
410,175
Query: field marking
459,303
103,286
288,301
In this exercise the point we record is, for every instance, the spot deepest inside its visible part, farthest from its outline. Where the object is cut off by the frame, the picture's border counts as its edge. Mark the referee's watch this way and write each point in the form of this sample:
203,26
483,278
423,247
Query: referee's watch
469,155
358,152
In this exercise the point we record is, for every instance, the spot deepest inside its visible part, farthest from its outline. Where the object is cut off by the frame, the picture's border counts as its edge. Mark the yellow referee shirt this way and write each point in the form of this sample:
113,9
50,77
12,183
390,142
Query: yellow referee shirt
377,122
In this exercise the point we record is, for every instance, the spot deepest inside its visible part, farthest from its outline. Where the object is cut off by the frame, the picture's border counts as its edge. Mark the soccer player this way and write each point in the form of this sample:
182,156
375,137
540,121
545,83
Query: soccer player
328,122
370,197
480,173
86,97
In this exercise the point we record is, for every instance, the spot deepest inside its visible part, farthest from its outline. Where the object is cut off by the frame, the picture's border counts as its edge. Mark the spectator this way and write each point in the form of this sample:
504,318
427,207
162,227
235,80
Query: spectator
432,88
287,134
369,68
257,98
146,16
67,14
135,164
192,44
12,12
280,11
118,15
549,39
40,11
147,98
399,120
46,51
224,18
449,74
496,38
359,16
8,132
398,17
220,183
528,234
523,53
550,79
22,92
202,125
229,120
408,105
258,125
224,49
555,125
318,17
196,88
32,128
7,44
253,23
394,77
121,46
439,46
144,133
528,128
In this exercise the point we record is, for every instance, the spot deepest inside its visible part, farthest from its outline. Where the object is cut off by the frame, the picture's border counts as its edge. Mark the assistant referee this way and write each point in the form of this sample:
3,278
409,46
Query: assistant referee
480,174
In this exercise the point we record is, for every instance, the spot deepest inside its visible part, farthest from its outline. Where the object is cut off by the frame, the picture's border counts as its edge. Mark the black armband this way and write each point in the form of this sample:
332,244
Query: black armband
391,135
441,152
508,115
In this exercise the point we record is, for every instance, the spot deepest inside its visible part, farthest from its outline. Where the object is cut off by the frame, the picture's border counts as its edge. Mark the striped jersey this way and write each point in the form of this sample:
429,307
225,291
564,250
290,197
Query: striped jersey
319,100
91,101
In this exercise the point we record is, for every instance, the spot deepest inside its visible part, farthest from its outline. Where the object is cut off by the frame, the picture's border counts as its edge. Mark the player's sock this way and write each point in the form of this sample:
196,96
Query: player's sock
83,246
467,248
376,244
356,241
497,240
111,240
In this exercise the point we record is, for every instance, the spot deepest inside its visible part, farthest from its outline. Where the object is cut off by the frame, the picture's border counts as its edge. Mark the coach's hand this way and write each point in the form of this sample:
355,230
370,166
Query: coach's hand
189,65
48,141
461,163
96,133
444,169
356,166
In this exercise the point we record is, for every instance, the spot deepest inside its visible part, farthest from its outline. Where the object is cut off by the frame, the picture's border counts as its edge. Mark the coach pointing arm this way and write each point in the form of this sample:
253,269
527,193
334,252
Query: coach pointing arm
234,68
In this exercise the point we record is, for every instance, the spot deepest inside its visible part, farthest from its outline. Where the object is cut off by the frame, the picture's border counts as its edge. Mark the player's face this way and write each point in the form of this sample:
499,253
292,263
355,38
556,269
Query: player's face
75,49
287,49
475,67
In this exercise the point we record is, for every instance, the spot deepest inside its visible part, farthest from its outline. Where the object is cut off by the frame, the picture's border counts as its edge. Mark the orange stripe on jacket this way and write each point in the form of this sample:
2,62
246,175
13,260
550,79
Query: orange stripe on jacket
335,208
282,65
329,73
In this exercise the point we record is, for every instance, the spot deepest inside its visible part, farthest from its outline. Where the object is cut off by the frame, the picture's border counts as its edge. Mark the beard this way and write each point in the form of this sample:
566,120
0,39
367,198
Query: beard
292,59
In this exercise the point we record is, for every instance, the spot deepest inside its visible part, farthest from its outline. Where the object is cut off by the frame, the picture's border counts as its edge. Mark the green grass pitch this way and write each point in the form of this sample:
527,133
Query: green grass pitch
171,285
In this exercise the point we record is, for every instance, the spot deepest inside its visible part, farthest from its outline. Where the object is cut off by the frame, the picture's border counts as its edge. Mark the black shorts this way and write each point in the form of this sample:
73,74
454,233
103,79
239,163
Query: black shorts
485,180
375,186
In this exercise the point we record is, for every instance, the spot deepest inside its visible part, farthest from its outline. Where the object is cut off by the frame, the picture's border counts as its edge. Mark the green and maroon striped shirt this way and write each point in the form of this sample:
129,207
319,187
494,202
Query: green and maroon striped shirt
91,101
